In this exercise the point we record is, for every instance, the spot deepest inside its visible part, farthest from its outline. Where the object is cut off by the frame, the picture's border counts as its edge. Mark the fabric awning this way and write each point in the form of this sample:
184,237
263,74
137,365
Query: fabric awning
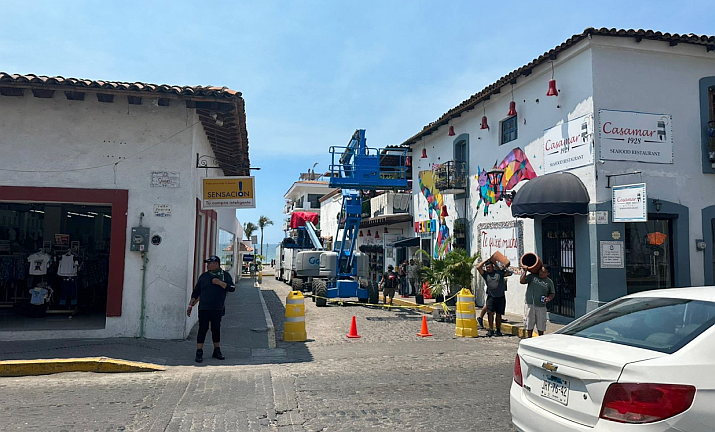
551,194
414,241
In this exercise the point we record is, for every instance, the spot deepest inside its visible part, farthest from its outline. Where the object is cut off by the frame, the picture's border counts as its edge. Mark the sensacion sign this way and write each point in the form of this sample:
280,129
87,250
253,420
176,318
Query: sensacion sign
228,192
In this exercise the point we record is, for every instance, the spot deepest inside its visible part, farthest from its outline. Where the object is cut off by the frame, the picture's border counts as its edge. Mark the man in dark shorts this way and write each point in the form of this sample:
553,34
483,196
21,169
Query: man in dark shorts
495,280
210,293
389,283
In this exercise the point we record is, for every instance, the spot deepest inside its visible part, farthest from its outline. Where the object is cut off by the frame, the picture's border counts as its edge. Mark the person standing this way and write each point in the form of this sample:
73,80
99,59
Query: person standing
389,284
210,293
495,280
539,291
404,290
413,274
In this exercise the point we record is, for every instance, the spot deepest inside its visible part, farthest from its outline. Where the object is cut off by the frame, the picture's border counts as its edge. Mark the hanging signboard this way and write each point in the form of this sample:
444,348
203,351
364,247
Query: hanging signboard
635,136
630,203
569,145
228,192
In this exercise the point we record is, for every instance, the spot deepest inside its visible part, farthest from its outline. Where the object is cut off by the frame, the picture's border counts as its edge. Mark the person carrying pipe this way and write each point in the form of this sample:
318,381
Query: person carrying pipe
495,280
211,289
539,291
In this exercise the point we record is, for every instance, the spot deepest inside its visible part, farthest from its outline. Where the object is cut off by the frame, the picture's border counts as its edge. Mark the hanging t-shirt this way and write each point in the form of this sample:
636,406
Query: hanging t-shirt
38,295
38,263
67,267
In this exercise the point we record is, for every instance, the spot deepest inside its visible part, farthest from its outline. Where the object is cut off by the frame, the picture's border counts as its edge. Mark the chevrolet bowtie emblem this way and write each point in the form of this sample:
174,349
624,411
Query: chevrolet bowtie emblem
549,367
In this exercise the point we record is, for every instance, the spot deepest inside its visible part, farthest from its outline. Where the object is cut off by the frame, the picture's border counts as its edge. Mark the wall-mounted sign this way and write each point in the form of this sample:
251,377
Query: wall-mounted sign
569,145
228,192
612,254
247,257
504,240
167,179
635,136
426,226
162,210
630,203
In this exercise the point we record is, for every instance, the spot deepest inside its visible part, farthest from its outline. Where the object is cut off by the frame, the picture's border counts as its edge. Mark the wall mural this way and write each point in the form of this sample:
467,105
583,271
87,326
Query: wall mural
434,204
516,168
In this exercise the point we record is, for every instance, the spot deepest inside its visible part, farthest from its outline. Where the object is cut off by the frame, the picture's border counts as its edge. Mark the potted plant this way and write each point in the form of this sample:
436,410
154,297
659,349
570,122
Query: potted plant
446,276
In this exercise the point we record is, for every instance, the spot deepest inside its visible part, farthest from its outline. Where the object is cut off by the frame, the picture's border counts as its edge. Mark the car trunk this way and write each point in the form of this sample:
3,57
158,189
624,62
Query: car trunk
568,375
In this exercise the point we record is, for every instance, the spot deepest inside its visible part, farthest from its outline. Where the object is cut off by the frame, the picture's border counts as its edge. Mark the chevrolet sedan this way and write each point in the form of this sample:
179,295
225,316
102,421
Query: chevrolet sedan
644,362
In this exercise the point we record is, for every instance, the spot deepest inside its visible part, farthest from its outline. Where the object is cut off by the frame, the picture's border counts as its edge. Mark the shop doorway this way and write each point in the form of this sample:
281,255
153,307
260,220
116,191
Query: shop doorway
649,254
558,253
54,265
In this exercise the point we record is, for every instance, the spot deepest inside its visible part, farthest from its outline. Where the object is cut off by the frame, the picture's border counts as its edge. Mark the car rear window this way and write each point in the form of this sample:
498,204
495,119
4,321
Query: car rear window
658,324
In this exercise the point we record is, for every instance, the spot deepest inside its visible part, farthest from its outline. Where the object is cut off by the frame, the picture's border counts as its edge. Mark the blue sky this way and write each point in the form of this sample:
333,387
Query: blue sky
312,72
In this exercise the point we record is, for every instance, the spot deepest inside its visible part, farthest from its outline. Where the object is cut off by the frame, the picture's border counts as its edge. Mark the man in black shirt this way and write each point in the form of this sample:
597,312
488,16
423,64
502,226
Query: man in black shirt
211,290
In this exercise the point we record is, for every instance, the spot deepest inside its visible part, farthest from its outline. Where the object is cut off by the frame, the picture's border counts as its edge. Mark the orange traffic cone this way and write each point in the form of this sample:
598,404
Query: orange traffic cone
353,330
424,332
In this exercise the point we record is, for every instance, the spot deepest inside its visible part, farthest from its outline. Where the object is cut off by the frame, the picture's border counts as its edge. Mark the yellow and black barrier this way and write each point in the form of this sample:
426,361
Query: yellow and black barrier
294,325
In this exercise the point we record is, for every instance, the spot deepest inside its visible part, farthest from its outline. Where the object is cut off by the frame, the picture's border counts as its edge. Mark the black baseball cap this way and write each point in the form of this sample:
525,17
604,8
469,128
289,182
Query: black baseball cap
212,258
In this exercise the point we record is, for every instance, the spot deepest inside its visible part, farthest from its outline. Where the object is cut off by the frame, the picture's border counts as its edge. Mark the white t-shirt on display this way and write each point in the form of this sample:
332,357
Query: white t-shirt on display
68,266
38,263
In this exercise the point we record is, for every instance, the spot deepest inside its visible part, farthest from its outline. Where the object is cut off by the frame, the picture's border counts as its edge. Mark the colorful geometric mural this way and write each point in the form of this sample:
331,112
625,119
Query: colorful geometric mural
516,167
434,204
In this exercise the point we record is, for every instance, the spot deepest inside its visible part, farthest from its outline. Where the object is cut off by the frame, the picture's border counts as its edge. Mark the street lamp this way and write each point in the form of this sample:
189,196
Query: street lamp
494,177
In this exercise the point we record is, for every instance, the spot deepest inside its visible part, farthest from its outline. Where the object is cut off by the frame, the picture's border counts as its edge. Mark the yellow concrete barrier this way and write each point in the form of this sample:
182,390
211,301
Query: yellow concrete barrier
294,326
260,276
15,368
466,315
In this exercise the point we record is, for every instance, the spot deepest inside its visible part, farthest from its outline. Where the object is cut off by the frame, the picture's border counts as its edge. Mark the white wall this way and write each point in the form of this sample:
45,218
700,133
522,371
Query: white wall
56,136
573,73
654,77
329,210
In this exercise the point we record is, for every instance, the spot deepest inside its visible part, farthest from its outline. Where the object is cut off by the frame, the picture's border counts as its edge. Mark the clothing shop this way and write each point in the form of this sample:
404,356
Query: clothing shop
54,264
103,231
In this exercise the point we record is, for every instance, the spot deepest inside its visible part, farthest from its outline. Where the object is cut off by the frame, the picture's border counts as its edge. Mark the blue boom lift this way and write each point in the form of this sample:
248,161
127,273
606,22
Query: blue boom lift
355,168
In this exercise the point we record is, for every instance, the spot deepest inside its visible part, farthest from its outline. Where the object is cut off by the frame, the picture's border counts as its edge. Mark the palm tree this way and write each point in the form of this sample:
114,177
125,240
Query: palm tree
263,222
249,228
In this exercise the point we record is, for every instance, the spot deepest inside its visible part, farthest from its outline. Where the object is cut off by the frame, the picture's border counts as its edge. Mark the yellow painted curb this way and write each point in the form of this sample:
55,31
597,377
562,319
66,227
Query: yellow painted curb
15,368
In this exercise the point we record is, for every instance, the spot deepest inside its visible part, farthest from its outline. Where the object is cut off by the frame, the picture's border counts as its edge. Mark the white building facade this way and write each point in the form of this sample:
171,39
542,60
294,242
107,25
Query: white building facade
631,107
92,160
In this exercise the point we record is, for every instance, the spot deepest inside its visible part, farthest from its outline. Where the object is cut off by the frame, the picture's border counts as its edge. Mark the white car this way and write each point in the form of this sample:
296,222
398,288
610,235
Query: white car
644,362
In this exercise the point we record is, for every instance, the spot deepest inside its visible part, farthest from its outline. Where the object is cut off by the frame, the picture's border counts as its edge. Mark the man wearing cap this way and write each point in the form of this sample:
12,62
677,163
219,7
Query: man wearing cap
389,284
210,293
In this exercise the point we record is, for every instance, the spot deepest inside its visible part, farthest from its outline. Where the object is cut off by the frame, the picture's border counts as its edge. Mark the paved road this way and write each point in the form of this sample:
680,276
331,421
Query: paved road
390,379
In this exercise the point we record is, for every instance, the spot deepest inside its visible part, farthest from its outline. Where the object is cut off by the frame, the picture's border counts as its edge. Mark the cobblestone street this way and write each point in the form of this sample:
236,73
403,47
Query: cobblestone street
390,379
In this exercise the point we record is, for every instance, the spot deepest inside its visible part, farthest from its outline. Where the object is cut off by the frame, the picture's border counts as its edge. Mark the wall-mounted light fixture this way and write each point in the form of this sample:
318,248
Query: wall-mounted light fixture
657,204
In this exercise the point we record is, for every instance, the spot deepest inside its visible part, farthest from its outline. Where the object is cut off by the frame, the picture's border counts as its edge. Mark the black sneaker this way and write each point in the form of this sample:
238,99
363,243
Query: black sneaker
480,320
490,333
199,356
498,333
217,354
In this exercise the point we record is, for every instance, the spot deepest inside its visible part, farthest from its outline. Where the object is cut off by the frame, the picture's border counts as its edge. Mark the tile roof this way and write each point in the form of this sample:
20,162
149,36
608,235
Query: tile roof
221,110
708,42
139,87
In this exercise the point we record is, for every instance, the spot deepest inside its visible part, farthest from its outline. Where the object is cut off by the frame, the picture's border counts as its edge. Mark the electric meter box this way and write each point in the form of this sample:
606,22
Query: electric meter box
140,239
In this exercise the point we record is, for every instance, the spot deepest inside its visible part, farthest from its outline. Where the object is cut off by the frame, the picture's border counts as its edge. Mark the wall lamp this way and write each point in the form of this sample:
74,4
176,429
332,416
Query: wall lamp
657,204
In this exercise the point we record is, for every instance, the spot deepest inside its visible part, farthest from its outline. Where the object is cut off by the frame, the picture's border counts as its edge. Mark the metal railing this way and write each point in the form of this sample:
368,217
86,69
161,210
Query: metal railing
451,177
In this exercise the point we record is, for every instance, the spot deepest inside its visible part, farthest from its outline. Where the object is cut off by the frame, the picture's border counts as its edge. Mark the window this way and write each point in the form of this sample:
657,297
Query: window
649,254
658,324
313,200
508,130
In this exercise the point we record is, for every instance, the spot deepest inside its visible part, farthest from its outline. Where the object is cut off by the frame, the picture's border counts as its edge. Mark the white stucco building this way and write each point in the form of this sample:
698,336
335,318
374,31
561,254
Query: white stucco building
627,107
84,163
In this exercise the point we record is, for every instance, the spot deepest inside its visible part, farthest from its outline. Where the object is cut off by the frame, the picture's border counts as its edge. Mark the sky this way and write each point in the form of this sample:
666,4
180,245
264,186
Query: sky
311,72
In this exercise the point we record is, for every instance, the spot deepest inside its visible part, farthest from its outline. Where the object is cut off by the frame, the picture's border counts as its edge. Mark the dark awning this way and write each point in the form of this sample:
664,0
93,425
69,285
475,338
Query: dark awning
414,241
551,194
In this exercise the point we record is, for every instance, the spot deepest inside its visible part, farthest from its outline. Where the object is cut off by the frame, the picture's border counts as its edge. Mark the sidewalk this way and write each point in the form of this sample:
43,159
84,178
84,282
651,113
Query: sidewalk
245,335
513,324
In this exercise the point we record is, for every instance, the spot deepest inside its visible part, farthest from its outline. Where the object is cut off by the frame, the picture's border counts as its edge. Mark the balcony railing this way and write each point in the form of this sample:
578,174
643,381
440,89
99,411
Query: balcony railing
451,177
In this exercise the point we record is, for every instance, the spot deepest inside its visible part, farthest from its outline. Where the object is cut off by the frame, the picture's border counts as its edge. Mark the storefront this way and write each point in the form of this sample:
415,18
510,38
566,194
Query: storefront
56,257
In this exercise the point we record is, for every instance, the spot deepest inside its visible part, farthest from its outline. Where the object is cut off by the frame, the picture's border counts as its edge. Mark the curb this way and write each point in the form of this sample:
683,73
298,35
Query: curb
269,322
422,308
17,368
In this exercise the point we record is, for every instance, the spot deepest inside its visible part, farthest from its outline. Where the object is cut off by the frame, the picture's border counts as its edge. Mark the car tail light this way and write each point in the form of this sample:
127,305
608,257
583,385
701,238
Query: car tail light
518,377
645,403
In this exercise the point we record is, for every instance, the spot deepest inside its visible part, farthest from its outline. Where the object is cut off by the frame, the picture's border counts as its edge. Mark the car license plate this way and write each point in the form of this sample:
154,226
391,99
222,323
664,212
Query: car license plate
556,389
